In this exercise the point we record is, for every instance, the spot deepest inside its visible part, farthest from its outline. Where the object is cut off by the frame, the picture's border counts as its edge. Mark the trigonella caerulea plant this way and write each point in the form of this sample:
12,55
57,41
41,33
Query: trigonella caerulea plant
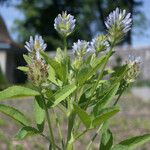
76,87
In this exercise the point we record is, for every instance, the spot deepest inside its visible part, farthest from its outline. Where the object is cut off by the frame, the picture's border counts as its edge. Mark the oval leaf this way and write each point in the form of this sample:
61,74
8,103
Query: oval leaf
17,91
14,113
26,131
58,68
104,115
85,118
132,143
106,140
39,112
23,68
63,93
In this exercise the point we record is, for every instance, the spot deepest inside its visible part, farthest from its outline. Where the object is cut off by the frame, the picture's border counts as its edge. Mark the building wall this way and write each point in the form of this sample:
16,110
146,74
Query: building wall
3,61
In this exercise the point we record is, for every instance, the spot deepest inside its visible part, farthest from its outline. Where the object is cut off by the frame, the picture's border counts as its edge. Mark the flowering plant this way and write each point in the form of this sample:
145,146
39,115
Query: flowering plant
78,87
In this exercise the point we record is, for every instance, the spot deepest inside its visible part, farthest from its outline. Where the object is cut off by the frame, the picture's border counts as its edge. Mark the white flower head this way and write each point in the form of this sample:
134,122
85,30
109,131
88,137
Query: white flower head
64,24
118,23
99,43
120,19
132,59
81,47
35,45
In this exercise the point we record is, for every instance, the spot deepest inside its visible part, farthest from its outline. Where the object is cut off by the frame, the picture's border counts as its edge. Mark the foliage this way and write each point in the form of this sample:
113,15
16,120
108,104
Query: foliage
77,86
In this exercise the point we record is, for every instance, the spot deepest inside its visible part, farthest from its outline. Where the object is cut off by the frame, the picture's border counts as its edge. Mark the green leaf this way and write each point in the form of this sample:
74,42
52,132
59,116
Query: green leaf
85,118
120,147
14,114
86,72
106,140
39,112
59,69
105,114
27,59
23,68
63,93
132,143
17,91
107,97
52,77
26,131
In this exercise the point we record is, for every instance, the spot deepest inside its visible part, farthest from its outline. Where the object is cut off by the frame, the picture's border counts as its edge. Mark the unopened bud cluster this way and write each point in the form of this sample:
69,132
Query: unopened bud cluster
134,69
99,43
80,48
38,72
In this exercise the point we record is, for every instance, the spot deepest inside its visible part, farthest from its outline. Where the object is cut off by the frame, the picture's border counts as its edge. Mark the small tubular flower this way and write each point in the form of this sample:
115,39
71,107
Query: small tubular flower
99,43
81,47
134,68
35,45
64,24
118,24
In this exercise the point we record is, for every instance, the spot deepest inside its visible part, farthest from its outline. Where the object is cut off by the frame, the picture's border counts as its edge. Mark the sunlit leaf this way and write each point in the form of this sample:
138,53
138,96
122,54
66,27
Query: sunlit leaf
105,114
23,68
14,114
17,91
63,93
39,112
132,143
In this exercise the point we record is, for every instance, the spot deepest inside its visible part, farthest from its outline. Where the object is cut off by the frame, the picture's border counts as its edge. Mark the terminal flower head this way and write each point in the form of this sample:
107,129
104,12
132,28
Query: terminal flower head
118,24
35,45
64,24
80,47
99,43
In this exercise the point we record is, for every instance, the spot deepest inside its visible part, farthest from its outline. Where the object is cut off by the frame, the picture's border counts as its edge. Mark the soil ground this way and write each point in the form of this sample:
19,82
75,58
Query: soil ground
133,119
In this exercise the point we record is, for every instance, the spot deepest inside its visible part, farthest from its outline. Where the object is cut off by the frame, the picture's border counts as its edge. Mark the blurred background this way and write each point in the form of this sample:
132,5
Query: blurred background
21,18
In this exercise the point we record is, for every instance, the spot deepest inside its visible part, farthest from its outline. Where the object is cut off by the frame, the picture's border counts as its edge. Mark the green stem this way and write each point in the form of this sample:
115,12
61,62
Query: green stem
70,127
62,109
65,46
59,129
82,133
115,103
49,124
93,138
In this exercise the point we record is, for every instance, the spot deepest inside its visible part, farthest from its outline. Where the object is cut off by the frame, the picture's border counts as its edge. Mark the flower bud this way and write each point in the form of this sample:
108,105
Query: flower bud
99,43
64,24
38,72
134,69
80,48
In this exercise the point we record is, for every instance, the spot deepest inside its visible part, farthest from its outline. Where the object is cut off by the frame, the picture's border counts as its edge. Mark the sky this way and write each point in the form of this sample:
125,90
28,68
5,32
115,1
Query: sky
138,38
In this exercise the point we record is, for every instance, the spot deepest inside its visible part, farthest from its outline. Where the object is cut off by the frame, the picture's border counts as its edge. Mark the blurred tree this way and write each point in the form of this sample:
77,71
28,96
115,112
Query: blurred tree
39,17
